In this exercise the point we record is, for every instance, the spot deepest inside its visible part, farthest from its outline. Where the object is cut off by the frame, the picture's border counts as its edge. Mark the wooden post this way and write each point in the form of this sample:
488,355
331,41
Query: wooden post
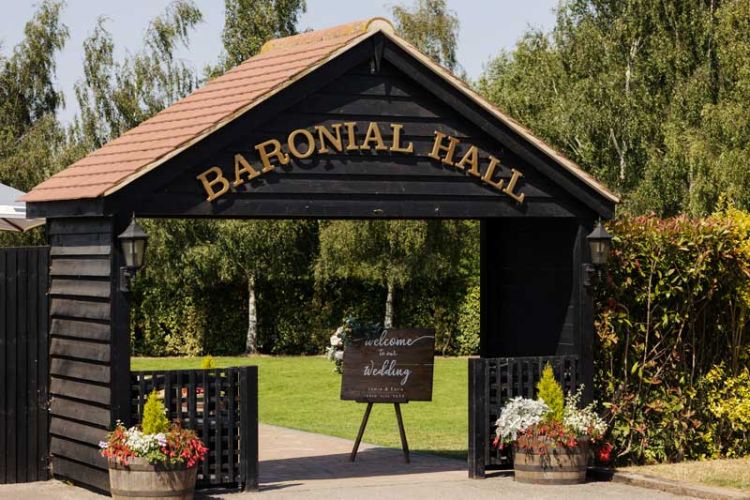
585,340
120,325
478,433
249,428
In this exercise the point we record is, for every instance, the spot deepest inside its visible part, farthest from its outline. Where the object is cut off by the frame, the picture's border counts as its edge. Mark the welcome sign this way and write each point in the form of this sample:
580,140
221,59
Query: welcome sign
394,366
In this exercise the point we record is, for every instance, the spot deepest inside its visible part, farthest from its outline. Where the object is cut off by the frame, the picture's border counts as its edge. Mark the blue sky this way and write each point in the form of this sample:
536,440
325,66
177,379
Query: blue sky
487,26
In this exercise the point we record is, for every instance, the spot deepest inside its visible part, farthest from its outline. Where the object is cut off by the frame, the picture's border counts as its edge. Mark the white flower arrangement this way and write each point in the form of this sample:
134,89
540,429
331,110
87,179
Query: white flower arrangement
517,415
583,421
520,414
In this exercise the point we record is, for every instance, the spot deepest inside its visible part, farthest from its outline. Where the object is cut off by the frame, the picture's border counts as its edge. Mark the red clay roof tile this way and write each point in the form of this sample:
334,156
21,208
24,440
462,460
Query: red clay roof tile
167,132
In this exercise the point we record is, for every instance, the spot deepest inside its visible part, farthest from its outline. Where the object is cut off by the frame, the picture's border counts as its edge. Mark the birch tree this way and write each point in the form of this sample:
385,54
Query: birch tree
254,251
390,253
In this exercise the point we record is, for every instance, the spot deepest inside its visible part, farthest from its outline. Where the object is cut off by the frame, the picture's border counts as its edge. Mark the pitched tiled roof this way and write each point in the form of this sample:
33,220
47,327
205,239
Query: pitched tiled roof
190,119
280,63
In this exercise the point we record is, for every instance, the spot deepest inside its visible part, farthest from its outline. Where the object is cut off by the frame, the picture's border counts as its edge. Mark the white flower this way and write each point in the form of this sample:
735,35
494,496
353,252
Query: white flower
103,445
338,355
141,443
517,415
339,331
336,341
583,421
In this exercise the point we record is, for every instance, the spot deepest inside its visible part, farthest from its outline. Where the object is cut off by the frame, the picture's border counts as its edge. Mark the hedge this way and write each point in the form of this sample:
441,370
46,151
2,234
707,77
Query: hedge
671,327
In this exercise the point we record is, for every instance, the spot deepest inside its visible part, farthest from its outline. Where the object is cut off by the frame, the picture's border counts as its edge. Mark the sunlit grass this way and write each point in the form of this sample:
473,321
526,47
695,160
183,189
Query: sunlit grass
732,473
303,393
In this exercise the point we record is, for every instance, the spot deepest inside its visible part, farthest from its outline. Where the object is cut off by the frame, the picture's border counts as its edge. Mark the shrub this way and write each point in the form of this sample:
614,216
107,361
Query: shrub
550,392
727,400
673,308
208,363
154,415
467,341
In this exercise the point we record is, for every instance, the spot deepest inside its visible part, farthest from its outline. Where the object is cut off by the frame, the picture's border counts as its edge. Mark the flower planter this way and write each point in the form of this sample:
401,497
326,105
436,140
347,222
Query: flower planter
141,480
559,465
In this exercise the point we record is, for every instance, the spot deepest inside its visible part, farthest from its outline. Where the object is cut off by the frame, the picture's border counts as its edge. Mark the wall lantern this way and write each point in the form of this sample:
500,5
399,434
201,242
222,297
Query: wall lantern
133,242
600,242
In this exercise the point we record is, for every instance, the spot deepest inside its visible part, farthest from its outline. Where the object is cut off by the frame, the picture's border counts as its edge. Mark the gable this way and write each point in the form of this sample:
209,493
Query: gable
441,154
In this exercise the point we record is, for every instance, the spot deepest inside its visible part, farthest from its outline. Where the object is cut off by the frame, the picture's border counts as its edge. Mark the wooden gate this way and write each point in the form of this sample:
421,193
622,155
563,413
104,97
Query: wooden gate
492,382
24,420
221,405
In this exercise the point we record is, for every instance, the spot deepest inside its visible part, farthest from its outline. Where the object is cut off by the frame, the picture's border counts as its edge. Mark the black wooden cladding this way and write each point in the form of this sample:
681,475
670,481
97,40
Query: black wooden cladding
360,183
23,365
221,405
530,287
81,351
492,382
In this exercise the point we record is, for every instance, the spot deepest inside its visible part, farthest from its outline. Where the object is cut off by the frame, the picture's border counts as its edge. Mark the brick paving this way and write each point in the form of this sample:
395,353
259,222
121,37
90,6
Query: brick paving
296,464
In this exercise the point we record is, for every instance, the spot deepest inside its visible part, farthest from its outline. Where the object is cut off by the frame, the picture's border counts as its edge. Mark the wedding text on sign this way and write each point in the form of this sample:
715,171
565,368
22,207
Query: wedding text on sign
342,138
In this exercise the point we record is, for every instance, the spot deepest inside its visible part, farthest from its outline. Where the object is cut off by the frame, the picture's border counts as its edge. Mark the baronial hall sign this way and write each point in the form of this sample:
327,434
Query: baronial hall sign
342,138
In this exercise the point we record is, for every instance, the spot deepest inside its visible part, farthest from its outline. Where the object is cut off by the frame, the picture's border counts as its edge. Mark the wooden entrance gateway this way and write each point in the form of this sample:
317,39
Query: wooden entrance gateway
350,122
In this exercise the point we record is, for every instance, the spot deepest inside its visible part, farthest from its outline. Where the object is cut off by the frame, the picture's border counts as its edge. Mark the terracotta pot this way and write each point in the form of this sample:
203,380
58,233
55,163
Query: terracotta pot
140,480
559,465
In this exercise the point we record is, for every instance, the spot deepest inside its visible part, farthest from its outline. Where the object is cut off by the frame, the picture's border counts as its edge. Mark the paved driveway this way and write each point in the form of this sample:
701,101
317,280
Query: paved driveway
298,465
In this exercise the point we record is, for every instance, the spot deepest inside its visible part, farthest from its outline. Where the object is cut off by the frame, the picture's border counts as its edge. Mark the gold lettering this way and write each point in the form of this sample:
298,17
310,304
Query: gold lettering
324,134
438,146
490,172
351,137
208,185
515,175
240,161
265,156
396,147
373,134
292,143
471,157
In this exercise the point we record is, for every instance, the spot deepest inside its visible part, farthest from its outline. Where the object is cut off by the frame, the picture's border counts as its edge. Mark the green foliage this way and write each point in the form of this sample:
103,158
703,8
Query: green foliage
674,306
154,415
115,96
33,145
208,363
393,254
467,341
644,95
550,391
727,399
248,24
431,27
27,91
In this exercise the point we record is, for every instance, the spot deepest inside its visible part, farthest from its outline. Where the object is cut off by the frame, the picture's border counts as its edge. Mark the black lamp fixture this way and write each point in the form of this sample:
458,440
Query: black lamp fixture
600,242
133,242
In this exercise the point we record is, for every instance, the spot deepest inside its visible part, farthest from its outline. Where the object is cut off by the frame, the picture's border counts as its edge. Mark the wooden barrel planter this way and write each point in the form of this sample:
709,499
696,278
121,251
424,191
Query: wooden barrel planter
558,465
140,480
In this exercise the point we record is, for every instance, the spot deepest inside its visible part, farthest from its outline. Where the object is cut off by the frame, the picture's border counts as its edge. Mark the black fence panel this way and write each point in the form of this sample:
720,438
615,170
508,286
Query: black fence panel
492,382
221,405
24,378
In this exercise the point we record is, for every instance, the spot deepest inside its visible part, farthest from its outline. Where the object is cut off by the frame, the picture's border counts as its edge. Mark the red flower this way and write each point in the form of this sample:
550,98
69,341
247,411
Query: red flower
604,453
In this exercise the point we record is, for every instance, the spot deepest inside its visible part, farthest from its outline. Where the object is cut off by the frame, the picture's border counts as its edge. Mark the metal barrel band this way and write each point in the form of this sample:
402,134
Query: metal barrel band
539,468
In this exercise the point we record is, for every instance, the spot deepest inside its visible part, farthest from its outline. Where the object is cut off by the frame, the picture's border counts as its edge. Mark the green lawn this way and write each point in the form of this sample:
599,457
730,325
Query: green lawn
303,393
732,473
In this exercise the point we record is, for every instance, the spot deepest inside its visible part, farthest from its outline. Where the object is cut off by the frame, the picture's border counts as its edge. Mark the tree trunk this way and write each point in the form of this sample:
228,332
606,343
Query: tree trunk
388,322
251,343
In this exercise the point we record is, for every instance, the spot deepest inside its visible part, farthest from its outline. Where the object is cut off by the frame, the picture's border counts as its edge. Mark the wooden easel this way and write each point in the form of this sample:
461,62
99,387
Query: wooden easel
402,432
